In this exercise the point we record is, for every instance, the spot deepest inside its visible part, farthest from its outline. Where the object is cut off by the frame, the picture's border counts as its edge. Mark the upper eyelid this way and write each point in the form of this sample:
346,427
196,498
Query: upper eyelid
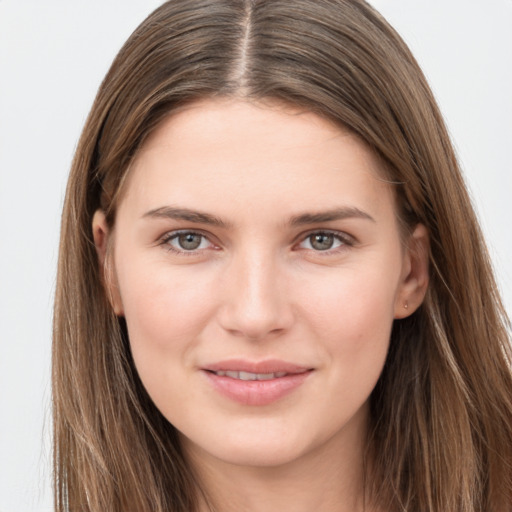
165,239
343,235
175,232
170,235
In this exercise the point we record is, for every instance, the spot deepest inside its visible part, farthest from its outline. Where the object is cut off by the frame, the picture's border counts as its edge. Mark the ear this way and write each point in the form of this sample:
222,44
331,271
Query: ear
102,241
415,273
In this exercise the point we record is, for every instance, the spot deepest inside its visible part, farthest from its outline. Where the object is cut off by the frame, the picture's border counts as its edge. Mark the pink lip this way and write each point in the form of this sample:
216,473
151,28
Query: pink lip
256,392
266,366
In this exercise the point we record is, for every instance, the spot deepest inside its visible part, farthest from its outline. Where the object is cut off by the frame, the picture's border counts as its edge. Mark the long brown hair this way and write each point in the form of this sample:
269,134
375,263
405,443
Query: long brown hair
441,414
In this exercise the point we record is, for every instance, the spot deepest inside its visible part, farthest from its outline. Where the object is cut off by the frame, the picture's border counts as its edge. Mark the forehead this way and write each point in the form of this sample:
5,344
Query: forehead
255,153
236,123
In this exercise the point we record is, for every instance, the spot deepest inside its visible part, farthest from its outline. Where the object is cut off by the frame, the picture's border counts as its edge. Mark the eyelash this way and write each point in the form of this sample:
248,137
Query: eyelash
344,239
167,238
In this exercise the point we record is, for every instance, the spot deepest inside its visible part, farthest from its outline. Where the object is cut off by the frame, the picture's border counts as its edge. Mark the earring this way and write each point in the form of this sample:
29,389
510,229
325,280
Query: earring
406,305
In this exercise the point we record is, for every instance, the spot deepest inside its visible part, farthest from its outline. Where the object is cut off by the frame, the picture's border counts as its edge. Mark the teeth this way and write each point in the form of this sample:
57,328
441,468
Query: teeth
266,376
249,375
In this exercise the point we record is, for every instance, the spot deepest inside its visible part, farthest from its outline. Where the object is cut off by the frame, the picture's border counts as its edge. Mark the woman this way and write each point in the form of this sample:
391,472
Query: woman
273,293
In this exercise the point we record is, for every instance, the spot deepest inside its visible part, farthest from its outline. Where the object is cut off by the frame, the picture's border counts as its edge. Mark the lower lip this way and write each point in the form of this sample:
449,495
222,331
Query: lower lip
256,392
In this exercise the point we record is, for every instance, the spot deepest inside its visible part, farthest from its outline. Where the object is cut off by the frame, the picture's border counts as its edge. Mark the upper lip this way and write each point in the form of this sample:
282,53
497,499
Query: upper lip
265,366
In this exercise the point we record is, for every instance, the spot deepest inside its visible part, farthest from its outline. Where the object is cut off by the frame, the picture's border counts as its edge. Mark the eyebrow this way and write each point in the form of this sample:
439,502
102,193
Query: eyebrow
170,212
330,215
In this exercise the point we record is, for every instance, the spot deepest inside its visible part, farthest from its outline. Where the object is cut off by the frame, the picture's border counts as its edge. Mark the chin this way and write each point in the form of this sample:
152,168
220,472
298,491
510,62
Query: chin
263,444
255,454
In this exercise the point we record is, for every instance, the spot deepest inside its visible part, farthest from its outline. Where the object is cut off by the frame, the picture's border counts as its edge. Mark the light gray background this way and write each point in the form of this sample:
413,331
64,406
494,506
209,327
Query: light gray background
53,55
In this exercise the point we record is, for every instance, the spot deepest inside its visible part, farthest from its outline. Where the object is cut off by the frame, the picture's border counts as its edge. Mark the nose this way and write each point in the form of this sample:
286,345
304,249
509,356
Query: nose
256,300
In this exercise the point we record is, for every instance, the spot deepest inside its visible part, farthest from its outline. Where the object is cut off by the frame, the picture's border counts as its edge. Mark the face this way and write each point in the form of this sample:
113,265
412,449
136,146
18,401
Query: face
259,265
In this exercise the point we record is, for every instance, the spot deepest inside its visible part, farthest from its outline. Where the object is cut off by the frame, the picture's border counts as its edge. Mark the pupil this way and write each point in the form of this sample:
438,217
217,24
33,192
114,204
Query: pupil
189,241
322,242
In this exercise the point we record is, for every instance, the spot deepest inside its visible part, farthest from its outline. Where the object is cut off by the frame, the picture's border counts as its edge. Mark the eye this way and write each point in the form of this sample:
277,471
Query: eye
324,241
186,241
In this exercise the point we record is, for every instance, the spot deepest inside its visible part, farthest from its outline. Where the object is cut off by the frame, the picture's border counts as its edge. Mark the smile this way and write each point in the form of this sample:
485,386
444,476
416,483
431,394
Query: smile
256,383
249,375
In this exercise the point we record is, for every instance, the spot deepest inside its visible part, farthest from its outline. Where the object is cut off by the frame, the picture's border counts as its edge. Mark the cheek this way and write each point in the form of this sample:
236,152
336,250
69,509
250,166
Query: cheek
352,316
165,310
353,299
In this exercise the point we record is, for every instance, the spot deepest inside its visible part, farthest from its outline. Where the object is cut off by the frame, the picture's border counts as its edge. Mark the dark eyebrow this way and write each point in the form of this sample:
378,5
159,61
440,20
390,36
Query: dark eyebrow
170,212
330,215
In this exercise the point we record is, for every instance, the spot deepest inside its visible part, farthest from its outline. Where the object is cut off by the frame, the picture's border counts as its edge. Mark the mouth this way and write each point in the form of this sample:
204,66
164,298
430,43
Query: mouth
251,370
256,384
250,376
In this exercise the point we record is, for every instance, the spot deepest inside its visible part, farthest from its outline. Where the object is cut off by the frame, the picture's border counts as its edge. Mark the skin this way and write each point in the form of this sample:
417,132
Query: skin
258,288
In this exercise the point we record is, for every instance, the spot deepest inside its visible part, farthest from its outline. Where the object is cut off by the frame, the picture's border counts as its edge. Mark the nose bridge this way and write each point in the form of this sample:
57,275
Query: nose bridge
256,302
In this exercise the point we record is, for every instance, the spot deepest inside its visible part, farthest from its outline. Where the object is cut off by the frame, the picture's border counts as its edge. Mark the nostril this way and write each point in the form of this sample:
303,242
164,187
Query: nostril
254,326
